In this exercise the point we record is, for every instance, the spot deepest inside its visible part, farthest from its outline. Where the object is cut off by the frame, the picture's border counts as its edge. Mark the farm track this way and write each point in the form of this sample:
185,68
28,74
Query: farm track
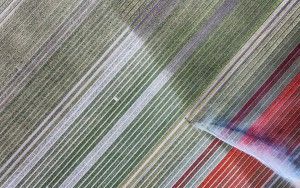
110,104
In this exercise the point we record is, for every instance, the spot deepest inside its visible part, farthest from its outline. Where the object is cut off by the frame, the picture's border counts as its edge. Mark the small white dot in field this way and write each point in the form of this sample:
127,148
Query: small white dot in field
116,99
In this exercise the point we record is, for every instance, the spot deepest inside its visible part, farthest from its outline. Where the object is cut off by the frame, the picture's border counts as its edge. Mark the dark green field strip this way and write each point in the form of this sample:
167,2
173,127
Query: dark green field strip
184,26
242,27
141,134
82,50
120,100
216,50
113,111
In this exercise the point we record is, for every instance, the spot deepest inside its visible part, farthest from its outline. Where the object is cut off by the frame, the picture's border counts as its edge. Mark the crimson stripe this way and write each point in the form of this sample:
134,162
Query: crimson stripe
277,122
240,170
286,95
221,174
284,98
218,169
290,92
286,102
295,138
245,110
236,159
267,85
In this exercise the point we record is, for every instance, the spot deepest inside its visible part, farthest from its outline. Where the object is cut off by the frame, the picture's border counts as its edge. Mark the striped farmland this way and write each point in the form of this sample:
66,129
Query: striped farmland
136,93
